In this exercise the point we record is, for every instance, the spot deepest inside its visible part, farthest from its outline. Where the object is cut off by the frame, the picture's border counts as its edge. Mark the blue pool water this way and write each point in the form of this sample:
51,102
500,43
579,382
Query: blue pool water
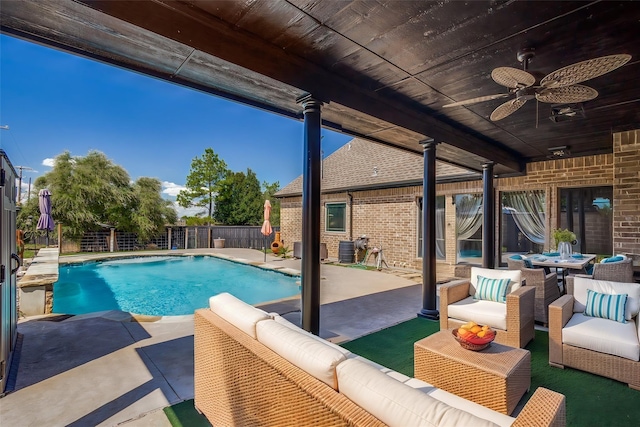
163,286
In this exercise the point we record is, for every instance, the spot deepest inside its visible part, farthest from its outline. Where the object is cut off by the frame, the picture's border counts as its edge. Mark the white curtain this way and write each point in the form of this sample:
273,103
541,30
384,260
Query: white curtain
440,246
527,210
468,215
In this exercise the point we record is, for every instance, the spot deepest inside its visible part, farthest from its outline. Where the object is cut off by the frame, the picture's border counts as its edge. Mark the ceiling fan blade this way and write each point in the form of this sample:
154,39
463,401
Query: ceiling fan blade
566,95
585,70
512,77
475,100
507,109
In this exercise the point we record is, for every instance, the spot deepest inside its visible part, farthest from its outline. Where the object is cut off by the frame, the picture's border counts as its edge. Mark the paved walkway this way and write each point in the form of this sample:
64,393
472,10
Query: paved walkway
108,368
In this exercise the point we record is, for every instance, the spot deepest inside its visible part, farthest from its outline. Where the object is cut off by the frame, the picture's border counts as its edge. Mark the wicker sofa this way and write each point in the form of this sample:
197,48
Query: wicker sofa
598,345
512,320
254,368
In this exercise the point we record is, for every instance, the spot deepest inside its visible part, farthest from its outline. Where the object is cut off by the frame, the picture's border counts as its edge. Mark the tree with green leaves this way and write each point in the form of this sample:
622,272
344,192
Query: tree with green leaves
150,211
91,192
203,182
269,191
240,201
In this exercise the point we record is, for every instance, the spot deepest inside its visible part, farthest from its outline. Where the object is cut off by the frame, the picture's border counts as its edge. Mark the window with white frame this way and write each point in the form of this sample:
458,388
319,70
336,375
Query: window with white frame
336,217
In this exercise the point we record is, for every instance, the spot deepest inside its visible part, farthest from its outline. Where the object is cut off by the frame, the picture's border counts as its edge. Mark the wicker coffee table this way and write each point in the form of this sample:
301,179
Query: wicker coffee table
496,377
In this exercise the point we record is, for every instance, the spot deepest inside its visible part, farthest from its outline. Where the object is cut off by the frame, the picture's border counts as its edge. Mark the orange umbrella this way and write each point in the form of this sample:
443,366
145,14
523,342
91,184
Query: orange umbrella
266,226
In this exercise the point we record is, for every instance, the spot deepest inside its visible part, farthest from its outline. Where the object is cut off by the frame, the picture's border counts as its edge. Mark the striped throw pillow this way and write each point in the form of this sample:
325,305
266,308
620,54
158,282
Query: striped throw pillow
606,306
492,289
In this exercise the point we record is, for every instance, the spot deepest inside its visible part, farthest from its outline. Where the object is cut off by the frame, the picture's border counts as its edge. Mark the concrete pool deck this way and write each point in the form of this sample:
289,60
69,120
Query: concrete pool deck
109,368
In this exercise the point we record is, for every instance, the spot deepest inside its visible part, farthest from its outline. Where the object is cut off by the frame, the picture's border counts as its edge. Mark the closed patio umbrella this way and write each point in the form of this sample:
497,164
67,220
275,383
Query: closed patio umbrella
45,222
266,226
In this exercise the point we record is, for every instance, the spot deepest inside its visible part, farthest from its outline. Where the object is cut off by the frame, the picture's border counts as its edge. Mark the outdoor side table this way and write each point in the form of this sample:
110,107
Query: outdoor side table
496,377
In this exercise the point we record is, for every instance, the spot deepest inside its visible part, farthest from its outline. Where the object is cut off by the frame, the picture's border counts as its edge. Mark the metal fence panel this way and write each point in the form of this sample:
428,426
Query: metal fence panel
235,236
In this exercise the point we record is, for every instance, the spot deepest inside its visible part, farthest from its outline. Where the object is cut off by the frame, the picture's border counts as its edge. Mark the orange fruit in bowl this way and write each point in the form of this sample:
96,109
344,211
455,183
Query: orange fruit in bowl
480,341
465,333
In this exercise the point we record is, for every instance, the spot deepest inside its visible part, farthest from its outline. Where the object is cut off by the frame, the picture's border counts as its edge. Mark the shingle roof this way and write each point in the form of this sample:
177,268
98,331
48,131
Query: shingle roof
361,164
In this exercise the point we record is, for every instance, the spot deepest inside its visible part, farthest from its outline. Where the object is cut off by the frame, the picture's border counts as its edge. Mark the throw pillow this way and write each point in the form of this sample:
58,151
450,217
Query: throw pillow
491,289
616,258
516,257
606,306
528,263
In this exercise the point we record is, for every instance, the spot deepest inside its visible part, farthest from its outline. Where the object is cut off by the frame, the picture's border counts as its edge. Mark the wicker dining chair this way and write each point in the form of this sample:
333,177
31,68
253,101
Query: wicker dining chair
515,264
621,271
547,291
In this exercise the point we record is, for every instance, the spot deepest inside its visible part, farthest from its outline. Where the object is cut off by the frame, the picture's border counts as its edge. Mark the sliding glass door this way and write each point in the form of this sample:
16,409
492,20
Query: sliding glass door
588,213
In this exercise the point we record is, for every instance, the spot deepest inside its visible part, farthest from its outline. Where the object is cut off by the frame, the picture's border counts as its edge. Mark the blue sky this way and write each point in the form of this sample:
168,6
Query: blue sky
55,102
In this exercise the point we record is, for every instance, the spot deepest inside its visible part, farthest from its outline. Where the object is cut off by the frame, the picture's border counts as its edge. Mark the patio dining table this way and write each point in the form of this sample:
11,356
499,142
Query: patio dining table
576,262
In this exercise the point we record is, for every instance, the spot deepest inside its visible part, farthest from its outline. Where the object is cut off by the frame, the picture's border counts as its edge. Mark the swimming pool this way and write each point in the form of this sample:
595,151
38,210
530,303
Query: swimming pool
163,285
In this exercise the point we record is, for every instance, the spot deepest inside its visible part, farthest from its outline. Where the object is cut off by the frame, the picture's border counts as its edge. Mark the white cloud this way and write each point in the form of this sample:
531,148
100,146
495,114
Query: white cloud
24,190
48,162
172,189
188,211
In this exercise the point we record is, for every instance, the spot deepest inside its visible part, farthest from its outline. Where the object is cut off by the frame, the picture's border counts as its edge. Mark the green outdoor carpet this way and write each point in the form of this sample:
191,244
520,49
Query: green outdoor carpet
590,400
184,414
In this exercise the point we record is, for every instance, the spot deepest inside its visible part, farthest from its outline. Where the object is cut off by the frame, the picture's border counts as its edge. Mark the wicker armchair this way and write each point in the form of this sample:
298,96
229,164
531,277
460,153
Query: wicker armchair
547,290
591,354
457,307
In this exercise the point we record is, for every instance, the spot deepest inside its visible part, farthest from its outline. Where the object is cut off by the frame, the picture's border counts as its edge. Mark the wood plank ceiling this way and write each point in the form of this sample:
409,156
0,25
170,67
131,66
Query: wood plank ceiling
383,68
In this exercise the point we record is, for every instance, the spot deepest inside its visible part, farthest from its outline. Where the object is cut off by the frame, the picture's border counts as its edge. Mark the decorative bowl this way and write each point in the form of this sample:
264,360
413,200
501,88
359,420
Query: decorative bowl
477,345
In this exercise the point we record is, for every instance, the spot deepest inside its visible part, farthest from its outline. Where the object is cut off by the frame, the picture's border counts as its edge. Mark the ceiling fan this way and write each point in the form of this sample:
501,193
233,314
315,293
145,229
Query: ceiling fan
558,87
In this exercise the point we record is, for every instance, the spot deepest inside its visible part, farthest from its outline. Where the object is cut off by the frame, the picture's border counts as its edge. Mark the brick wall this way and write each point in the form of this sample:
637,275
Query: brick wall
626,192
389,217
291,220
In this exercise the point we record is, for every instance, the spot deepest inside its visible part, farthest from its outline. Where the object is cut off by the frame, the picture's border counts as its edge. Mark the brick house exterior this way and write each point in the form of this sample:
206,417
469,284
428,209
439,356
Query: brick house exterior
382,202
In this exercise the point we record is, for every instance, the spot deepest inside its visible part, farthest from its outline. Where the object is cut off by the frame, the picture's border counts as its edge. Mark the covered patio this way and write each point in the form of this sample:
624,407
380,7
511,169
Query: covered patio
384,72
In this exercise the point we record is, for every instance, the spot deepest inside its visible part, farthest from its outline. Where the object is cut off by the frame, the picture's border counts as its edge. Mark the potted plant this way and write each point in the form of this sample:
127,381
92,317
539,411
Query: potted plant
564,239
565,235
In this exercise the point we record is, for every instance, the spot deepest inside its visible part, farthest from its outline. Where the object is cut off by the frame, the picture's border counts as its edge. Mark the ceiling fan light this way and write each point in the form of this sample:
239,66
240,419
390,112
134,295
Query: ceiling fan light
566,112
559,152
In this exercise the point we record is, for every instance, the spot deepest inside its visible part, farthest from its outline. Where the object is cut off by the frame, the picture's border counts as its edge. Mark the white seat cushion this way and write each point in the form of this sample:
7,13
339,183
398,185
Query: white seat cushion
281,320
397,375
313,356
514,275
460,403
393,374
483,312
237,312
395,403
602,335
582,284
